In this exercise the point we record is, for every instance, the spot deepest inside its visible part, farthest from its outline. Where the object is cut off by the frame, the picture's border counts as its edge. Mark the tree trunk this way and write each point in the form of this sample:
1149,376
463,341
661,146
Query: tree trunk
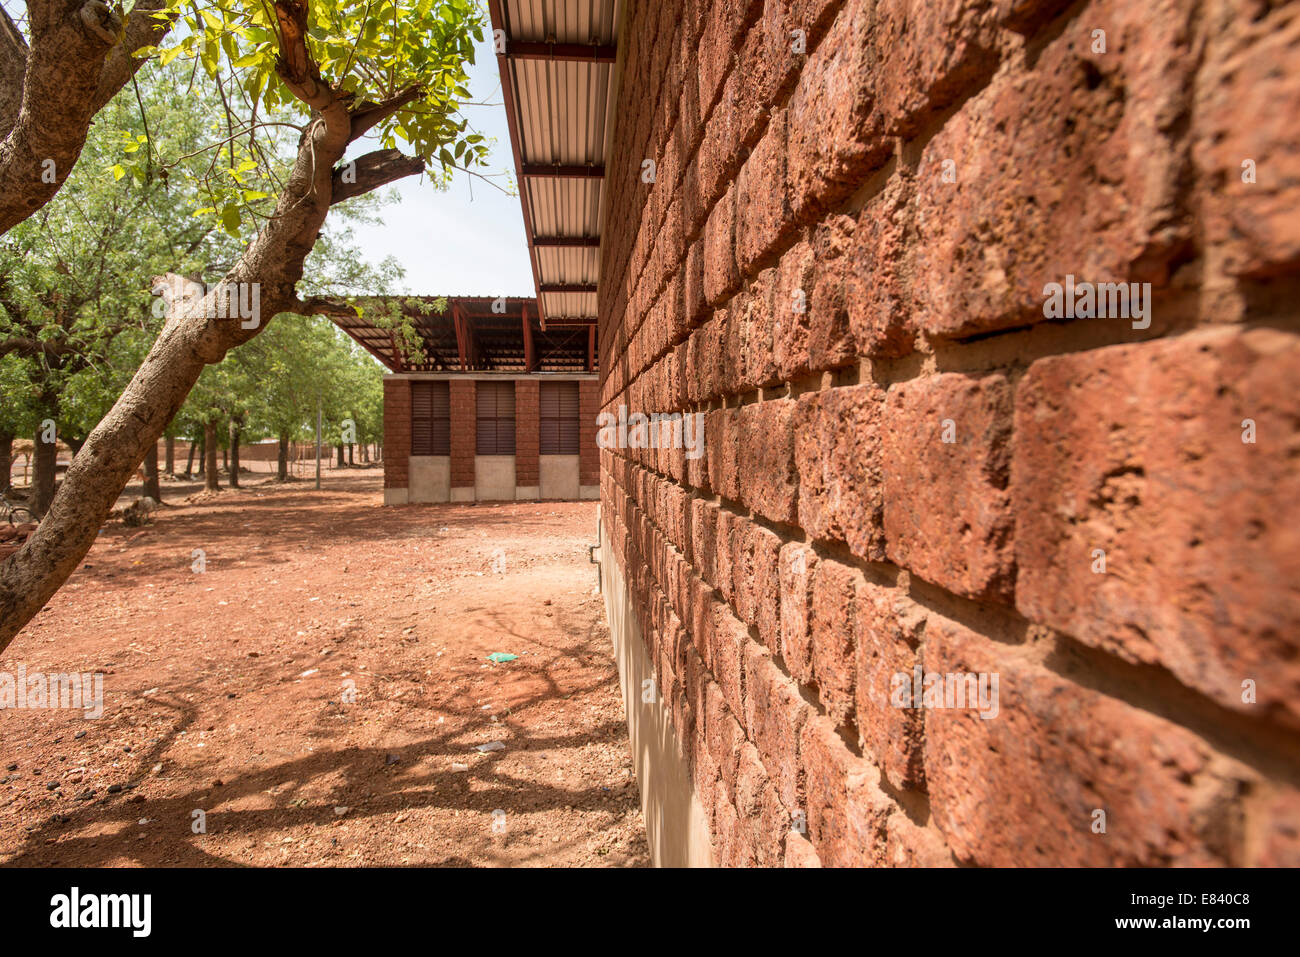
44,466
340,456
211,482
189,462
365,454
6,458
282,460
352,453
170,462
235,432
225,460
152,487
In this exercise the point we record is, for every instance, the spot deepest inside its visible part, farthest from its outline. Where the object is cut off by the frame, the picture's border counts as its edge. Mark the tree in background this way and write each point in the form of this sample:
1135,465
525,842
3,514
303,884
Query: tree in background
346,71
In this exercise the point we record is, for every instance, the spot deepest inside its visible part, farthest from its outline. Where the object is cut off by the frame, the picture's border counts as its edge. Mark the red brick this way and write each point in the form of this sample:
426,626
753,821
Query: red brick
527,427
933,52
791,302
798,565
947,509
910,845
731,844
1035,141
873,285
1137,450
1021,788
721,276
704,521
838,458
1248,113
887,632
847,811
464,432
834,610
725,737
799,852
774,716
397,432
729,640
767,586
765,221
765,457
830,340
835,135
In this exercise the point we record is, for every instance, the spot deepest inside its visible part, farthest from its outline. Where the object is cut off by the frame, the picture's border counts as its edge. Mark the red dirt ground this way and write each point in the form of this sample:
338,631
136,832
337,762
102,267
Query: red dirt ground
224,691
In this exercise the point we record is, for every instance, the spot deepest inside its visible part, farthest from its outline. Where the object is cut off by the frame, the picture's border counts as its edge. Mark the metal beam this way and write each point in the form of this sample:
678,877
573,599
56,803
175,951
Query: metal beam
567,287
462,337
528,341
562,171
567,242
572,52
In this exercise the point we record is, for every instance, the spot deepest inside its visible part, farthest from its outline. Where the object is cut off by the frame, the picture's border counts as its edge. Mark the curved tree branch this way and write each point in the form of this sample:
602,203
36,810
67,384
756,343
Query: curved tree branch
81,54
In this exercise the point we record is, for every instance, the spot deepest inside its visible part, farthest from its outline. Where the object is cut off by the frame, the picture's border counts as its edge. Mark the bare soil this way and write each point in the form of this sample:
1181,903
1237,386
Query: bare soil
227,691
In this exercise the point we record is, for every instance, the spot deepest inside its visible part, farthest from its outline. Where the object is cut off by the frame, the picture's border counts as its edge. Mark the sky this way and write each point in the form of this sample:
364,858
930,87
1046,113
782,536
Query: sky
470,239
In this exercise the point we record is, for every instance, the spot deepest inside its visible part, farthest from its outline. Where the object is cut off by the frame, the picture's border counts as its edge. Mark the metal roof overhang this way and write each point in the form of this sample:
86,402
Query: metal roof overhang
557,64
472,334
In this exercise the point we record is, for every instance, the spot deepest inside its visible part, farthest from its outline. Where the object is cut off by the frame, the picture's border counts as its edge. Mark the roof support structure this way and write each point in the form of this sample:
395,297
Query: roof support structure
562,171
571,52
462,336
567,287
567,242
591,346
530,362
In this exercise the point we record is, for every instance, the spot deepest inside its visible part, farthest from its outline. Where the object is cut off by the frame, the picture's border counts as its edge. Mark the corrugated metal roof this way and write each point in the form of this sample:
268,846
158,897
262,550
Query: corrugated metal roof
473,333
557,66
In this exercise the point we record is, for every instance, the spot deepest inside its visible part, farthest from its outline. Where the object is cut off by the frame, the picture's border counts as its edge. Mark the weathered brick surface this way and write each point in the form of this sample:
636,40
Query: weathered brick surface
1023,788
1243,120
847,245
834,614
464,432
1137,451
1030,145
838,460
887,632
847,811
836,136
527,426
946,460
397,432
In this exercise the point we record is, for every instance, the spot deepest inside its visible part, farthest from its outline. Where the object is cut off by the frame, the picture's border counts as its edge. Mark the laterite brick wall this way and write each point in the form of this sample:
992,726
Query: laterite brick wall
397,432
841,263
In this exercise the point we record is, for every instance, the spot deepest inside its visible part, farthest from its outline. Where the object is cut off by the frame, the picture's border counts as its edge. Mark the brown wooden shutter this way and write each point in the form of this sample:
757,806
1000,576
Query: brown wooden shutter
496,417
430,418
559,418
